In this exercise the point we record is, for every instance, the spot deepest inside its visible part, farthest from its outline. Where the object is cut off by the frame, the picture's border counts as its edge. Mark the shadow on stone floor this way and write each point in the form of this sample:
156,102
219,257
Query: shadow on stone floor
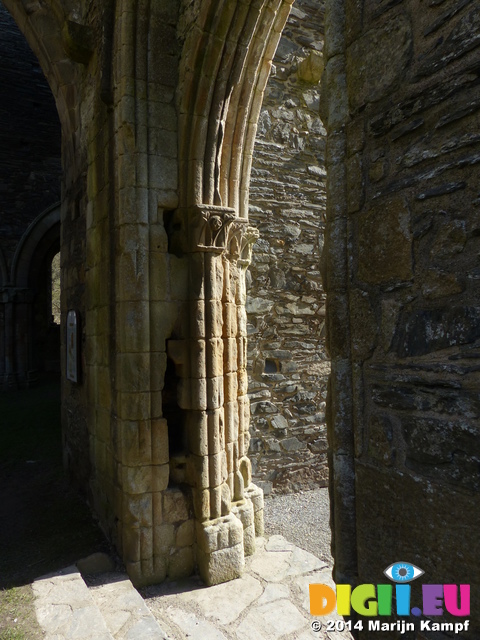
44,524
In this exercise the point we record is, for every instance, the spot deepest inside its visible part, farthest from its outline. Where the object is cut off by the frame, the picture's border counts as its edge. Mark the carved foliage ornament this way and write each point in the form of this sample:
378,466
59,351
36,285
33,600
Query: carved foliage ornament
215,229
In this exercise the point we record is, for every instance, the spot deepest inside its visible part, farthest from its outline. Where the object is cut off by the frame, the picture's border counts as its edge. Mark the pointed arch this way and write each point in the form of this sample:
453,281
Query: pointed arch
225,65
41,234
42,25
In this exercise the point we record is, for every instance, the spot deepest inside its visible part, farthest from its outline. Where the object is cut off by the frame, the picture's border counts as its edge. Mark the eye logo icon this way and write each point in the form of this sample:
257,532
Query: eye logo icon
403,572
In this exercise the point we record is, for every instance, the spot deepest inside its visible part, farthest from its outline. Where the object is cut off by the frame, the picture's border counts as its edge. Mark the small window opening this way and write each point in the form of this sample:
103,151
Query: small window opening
271,366
173,228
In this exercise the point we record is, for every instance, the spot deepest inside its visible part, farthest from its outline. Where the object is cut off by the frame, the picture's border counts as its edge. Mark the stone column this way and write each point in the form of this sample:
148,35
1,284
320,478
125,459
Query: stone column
214,387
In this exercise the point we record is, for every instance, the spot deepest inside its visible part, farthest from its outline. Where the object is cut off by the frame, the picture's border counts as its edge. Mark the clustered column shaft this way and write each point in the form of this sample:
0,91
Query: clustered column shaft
213,392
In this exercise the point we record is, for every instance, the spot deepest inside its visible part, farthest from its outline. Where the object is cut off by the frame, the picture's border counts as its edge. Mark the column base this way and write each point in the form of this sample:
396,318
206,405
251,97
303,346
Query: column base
220,554
255,494
244,512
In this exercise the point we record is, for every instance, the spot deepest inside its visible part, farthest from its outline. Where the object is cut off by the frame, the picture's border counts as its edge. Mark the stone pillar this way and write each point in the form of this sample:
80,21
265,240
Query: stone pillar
213,388
219,98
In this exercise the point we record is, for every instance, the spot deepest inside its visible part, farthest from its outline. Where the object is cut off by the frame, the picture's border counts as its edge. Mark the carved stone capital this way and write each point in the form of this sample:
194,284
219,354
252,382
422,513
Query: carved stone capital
212,228
209,227
249,237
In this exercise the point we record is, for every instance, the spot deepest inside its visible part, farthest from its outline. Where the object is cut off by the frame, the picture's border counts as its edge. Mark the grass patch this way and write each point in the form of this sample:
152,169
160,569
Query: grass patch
17,615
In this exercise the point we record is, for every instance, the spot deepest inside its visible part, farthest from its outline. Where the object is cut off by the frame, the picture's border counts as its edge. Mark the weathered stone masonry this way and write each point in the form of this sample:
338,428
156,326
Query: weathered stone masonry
401,272
286,307
157,145
158,106
30,170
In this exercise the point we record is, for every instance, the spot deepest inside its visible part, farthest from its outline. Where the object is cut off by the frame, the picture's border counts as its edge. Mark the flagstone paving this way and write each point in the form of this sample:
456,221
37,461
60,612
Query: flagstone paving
269,602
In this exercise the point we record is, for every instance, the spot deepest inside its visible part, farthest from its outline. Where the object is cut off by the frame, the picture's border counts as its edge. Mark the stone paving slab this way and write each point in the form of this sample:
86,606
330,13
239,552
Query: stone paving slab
65,609
269,602
123,608
110,609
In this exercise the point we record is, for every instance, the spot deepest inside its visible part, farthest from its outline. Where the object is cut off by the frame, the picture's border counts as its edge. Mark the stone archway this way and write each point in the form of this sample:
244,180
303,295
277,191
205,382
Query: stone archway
31,279
43,232
114,77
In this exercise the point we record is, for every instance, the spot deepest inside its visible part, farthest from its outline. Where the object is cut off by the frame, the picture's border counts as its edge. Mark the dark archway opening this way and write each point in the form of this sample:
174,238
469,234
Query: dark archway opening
45,331
43,524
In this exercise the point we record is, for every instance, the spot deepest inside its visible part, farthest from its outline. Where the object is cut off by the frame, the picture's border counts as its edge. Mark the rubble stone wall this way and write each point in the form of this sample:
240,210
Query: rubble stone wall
286,305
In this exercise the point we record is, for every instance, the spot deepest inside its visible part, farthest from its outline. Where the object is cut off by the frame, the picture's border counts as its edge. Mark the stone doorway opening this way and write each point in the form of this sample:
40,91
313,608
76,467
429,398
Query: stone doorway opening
288,363
45,525
31,171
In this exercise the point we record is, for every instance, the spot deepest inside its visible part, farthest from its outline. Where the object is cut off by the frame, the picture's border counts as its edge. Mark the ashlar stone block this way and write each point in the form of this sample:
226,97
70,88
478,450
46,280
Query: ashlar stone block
131,544
197,353
231,422
158,366
213,277
163,539
133,371
219,533
255,495
133,406
197,318
215,396
159,438
201,504
175,506
242,381
215,502
146,543
245,467
241,321
220,554
245,514
181,563
230,355
185,534
231,387
195,395
135,442
197,432
215,357
238,486
214,318
216,431
230,320
197,471
136,511
217,469
241,353
147,571
196,277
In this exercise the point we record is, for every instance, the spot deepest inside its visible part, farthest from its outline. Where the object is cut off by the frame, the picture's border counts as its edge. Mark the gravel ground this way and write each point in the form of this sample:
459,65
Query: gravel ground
302,518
